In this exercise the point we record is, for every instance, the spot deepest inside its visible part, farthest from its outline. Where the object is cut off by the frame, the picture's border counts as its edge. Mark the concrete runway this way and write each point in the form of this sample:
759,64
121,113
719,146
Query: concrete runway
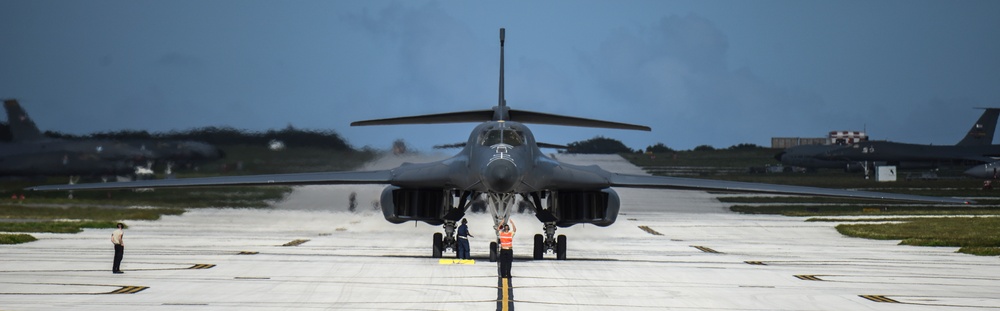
669,250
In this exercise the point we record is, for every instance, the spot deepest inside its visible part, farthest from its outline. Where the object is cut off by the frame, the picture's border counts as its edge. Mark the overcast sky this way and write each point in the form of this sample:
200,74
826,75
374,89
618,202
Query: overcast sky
698,72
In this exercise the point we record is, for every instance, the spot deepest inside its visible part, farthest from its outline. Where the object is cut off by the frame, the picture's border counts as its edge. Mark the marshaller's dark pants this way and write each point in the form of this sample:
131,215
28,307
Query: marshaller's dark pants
463,249
119,253
506,258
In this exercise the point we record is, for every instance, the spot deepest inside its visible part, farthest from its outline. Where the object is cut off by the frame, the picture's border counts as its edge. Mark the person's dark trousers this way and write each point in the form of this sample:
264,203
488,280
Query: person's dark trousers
119,253
463,249
506,258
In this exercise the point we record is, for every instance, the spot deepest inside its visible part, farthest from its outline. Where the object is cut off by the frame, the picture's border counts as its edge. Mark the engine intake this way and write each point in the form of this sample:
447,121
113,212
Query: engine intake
568,208
428,205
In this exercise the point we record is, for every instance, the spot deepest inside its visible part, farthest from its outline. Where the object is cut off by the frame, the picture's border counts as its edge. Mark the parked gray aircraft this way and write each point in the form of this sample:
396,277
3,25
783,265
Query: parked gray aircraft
29,153
976,147
500,164
178,152
807,156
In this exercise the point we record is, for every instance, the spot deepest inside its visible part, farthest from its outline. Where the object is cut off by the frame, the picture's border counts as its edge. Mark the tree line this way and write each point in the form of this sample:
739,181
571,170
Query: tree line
329,139
290,136
604,145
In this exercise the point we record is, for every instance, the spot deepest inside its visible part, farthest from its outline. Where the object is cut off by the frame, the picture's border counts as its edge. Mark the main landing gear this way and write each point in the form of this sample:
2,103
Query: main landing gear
549,243
500,206
445,242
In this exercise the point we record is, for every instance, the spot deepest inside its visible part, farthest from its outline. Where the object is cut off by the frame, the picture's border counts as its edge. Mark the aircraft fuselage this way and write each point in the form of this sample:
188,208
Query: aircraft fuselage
901,152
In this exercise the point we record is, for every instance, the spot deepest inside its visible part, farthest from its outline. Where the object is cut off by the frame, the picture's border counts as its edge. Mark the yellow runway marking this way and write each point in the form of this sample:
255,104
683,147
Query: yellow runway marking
809,277
879,298
706,249
202,266
129,290
457,261
505,303
649,230
295,243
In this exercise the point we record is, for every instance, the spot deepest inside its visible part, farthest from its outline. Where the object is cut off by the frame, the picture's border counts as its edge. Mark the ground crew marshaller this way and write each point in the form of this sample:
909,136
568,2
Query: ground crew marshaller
506,247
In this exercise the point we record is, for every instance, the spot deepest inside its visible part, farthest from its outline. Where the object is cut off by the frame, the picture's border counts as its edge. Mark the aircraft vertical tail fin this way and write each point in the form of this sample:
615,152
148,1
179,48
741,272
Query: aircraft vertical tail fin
22,128
982,131
501,112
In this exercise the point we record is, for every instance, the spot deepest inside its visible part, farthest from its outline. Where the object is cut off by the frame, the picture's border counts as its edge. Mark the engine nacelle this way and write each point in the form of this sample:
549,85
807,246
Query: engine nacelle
428,205
568,207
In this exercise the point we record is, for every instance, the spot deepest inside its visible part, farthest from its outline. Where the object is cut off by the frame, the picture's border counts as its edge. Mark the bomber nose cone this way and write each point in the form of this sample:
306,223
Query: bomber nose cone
500,176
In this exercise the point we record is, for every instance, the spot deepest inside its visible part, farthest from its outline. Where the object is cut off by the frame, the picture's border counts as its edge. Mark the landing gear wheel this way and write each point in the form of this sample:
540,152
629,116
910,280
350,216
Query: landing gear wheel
561,247
539,247
436,249
493,252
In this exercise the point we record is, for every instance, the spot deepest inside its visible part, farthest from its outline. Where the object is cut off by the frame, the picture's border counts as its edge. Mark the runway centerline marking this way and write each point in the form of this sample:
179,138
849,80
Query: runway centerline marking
505,295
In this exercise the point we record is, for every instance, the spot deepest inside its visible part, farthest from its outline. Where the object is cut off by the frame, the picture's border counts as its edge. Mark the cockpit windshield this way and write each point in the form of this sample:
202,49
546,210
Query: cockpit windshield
498,136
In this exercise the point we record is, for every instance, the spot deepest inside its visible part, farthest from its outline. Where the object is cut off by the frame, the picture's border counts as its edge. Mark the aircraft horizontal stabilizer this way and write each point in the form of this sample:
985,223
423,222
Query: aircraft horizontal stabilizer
540,145
440,118
521,116
552,119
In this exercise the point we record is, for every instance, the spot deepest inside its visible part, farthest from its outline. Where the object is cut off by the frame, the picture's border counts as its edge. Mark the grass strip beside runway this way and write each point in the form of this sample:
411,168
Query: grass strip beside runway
15,238
54,226
864,210
975,235
84,212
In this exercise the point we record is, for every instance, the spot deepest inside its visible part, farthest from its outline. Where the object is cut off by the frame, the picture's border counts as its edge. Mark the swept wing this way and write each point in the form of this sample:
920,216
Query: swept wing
592,177
679,183
322,178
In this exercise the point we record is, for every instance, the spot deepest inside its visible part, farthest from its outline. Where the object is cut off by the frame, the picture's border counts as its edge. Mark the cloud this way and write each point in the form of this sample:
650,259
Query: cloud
435,52
949,118
677,71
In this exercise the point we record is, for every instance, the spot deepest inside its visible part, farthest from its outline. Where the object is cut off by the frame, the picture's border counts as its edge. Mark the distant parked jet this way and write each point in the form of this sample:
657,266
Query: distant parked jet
975,147
30,153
